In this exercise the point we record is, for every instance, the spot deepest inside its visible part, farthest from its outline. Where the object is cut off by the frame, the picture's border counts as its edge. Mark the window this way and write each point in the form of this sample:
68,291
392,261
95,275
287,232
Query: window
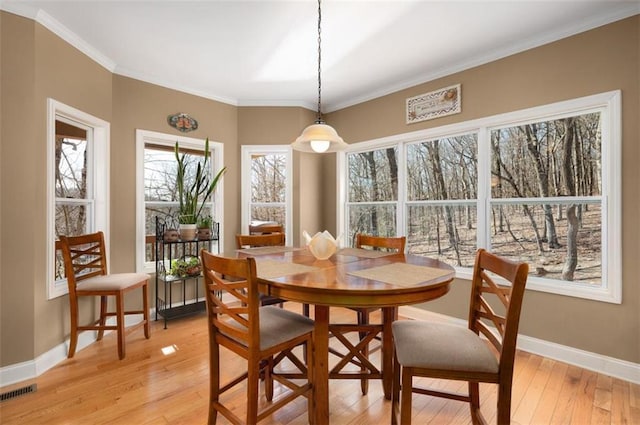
77,175
266,186
156,192
373,192
540,185
442,197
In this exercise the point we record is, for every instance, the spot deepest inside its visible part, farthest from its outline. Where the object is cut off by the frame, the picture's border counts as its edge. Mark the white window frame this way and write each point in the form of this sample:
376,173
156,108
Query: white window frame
246,152
608,103
142,138
98,181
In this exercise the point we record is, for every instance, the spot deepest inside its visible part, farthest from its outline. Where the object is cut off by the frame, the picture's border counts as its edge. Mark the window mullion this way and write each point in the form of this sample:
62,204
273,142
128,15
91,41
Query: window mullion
484,188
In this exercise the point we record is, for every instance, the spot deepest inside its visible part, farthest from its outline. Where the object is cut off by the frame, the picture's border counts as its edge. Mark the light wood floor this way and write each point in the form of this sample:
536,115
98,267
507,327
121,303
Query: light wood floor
149,387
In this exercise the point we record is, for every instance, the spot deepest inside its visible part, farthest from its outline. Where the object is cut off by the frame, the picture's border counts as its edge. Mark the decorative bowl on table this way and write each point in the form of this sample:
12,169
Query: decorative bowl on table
322,245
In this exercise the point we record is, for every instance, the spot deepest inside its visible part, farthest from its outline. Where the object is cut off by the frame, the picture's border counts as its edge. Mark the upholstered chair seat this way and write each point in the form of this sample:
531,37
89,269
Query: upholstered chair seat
439,346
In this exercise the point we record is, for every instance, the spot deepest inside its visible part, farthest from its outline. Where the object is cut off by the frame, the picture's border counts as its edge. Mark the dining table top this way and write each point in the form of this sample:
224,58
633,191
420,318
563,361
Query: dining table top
350,278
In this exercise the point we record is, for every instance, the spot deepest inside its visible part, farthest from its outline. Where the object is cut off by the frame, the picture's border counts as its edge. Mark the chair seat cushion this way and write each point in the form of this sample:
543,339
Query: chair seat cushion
442,346
111,282
278,325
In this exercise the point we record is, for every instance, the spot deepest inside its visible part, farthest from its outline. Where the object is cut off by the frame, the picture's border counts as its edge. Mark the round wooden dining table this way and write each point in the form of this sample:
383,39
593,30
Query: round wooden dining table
353,278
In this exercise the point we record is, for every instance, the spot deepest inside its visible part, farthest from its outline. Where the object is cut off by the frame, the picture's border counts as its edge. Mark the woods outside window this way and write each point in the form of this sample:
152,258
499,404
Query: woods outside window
77,183
540,185
267,186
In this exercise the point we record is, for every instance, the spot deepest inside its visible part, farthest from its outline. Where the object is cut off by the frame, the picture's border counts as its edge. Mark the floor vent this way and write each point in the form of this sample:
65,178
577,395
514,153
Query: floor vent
17,393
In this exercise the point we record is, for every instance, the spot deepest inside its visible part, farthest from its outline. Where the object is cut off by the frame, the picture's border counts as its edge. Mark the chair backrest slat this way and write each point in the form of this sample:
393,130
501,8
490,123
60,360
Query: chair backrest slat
251,241
84,257
509,298
379,242
232,296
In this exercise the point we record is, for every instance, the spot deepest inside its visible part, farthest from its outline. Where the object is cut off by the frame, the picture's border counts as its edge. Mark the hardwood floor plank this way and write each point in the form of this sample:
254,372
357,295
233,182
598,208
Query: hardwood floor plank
149,387
584,398
551,393
523,413
566,400
620,407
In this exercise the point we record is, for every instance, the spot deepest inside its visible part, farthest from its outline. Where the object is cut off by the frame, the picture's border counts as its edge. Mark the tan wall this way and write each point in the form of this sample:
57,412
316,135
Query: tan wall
596,61
17,141
31,324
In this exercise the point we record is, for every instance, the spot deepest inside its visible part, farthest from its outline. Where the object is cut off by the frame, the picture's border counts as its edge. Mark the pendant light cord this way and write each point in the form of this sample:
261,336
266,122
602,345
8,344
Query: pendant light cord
319,117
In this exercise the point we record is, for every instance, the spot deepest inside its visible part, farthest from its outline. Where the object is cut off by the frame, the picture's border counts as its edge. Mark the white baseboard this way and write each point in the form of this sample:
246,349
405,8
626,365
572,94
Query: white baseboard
610,366
33,368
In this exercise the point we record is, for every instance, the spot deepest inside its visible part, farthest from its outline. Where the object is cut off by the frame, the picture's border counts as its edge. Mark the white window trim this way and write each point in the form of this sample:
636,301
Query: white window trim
146,136
99,182
611,289
246,152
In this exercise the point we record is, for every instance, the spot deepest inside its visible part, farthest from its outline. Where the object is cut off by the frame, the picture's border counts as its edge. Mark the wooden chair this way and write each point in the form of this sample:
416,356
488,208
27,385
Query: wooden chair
446,351
265,229
262,335
362,241
85,265
255,241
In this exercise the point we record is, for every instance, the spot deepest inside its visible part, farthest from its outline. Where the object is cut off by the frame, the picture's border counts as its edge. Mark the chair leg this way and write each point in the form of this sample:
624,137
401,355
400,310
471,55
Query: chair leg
306,313
120,324
103,316
145,313
405,399
214,382
253,382
363,319
504,404
474,402
395,392
268,378
73,334
311,399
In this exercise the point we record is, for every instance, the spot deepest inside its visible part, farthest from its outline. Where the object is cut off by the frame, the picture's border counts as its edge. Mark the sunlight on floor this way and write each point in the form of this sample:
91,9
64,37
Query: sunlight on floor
170,349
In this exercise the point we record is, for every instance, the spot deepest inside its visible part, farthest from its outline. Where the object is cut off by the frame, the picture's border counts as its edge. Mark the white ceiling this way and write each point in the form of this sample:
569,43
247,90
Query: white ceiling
264,52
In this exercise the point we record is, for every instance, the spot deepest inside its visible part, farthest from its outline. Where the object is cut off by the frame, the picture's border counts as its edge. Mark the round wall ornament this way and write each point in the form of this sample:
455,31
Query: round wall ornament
182,122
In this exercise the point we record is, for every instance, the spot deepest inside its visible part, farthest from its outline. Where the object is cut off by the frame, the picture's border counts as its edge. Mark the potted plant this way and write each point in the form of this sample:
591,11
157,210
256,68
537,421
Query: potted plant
192,195
204,227
186,266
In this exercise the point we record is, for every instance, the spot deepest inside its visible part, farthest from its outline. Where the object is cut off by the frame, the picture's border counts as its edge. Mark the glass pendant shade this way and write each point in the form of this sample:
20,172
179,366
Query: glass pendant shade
319,137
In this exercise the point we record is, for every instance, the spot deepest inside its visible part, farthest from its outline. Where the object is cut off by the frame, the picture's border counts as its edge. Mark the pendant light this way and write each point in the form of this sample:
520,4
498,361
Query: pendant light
319,137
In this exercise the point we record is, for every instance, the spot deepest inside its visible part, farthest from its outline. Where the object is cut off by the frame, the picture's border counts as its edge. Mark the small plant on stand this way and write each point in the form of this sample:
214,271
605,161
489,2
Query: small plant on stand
204,227
185,267
193,197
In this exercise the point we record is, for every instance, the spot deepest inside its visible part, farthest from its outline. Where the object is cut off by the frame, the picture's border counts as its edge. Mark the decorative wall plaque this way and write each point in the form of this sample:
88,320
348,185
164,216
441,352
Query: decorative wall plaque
434,104
182,122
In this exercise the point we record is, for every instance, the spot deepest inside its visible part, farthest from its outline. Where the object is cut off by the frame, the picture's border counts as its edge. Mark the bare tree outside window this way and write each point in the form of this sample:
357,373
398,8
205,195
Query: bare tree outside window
373,192
544,205
442,181
73,200
268,187
547,187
